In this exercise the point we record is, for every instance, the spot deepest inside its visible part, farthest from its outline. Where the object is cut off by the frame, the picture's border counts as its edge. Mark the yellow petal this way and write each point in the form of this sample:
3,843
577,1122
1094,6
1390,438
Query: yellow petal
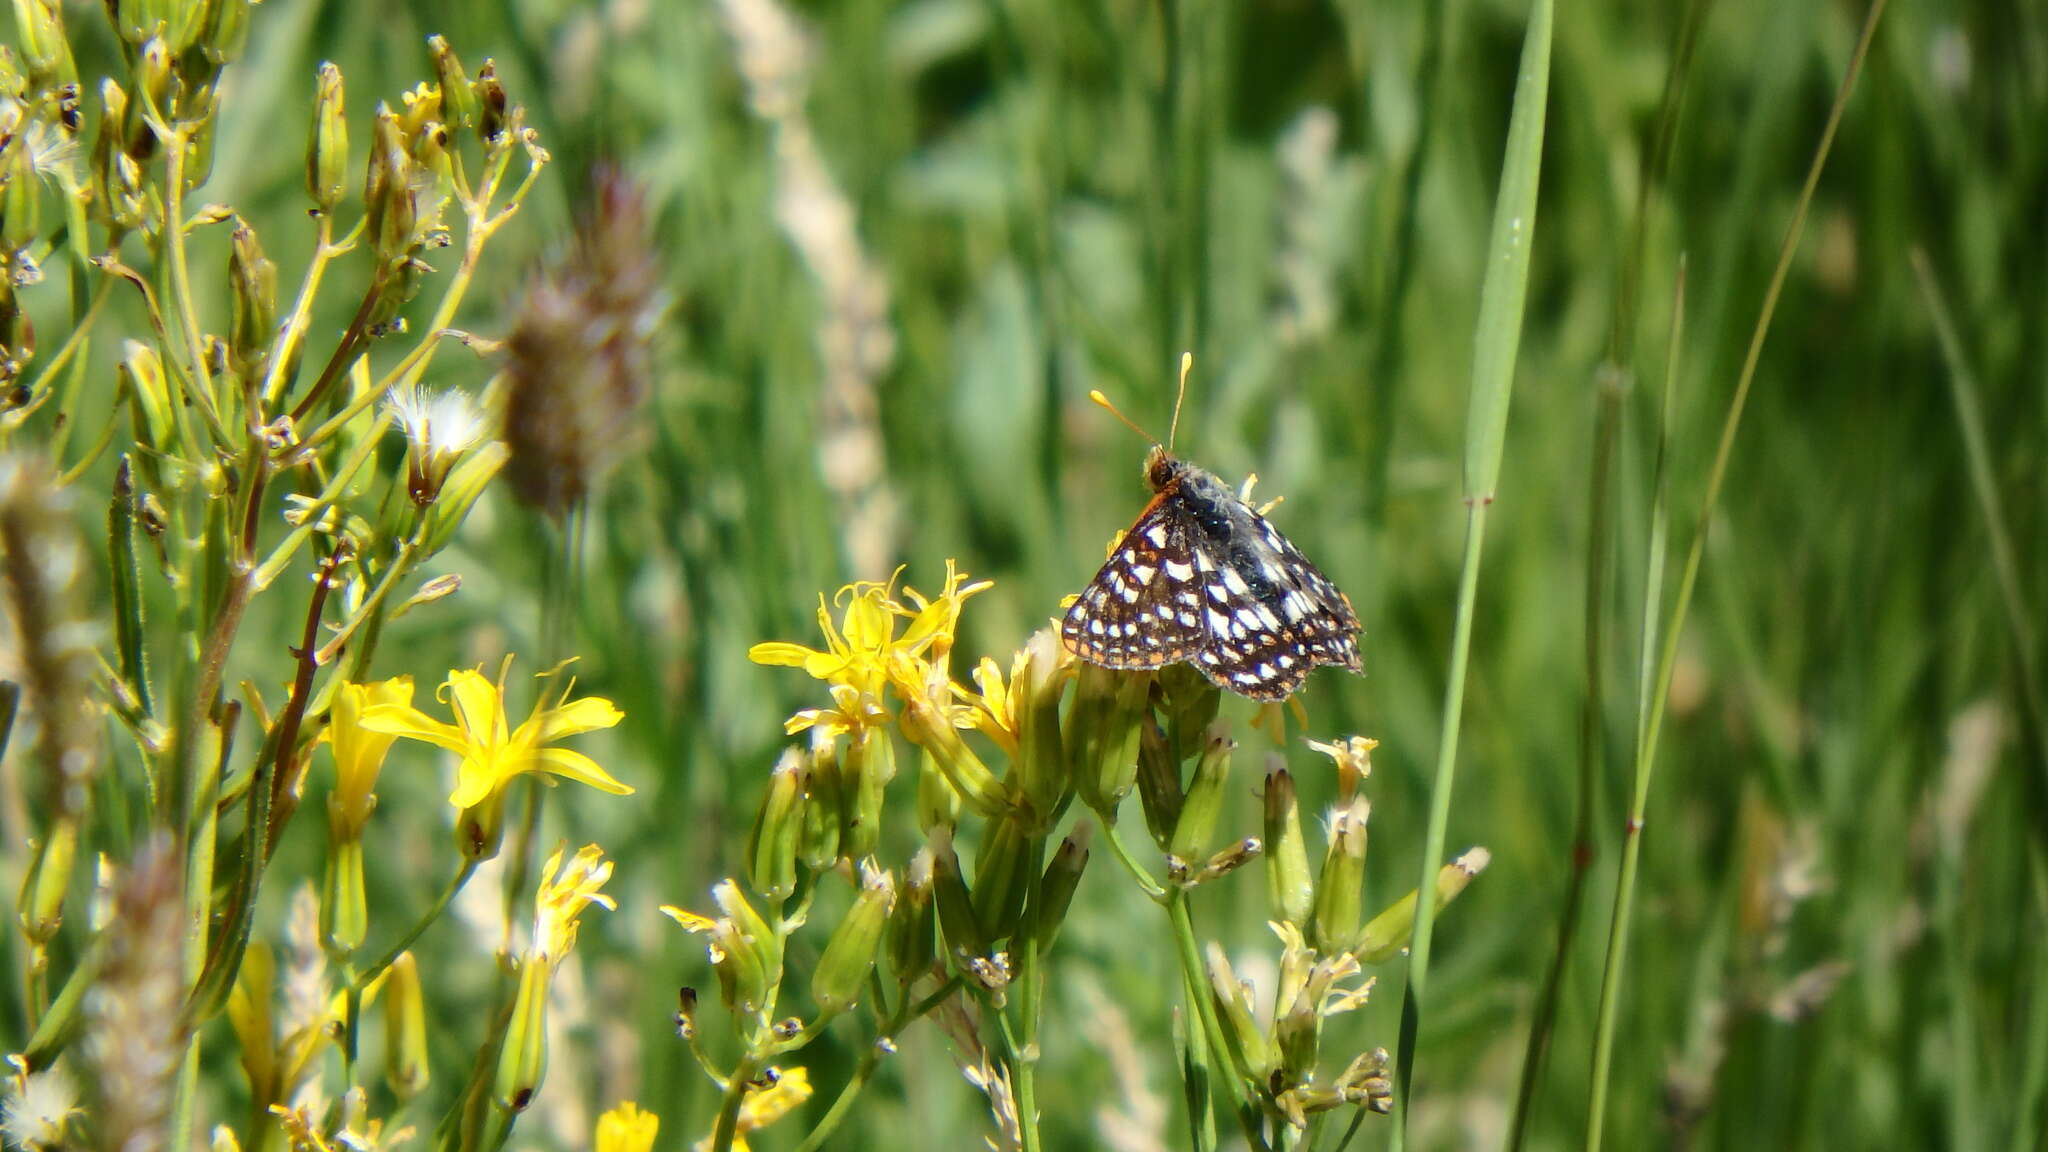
869,625
690,921
402,720
580,768
783,654
627,1129
475,779
585,715
478,707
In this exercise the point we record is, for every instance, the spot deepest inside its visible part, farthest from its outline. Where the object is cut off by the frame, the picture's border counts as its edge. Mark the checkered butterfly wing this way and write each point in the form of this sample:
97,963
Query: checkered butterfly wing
1271,615
1143,609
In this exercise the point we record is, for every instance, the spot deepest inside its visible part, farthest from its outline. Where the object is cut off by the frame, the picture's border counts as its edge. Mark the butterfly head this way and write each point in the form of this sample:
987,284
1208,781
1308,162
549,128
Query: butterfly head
1163,469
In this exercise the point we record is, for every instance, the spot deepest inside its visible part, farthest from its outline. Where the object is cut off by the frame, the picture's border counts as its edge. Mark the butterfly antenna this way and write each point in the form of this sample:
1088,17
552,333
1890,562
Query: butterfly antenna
1187,362
1095,394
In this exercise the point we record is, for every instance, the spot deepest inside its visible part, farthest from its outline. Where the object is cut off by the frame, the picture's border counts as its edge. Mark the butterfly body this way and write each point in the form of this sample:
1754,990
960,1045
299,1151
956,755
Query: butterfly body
1202,577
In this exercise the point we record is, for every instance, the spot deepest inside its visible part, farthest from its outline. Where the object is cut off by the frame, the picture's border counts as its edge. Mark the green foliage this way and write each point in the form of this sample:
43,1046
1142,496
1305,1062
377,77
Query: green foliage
894,247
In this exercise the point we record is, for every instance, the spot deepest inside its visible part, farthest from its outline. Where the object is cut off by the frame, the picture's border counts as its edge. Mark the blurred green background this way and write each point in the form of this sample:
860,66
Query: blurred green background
902,246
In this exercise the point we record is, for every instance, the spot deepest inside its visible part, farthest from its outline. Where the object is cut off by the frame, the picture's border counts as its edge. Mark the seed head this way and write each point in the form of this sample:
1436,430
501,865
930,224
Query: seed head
578,360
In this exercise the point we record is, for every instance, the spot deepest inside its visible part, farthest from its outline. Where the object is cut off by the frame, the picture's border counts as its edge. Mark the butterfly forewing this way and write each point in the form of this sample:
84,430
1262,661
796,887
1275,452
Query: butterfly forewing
1143,609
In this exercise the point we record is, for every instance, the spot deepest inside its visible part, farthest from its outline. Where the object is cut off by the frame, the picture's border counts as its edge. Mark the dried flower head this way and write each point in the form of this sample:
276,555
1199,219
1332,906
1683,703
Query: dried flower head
134,1038
38,1108
578,361
40,561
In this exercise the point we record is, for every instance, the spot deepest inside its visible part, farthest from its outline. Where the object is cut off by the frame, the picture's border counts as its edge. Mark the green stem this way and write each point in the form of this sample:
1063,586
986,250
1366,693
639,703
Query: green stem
1030,996
1122,852
727,1126
1646,749
433,913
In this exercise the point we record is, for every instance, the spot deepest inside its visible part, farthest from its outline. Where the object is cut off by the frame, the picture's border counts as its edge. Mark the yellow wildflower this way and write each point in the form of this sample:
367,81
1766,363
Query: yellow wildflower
494,754
857,651
564,893
865,653
1353,757
851,710
359,751
627,1129
765,1105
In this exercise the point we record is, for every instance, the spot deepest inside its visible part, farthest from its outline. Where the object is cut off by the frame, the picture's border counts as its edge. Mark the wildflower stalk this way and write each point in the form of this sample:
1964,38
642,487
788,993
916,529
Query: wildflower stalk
1030,992
1651,716
1501,299
364,976
870,1059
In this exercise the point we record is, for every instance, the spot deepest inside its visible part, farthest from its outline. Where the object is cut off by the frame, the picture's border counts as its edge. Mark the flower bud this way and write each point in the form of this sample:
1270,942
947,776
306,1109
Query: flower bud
327,151
405,1029
41,906
1341,886
1002,877
1191,703
949,893
1223,863
254,317
138,20
21,199
870,765
1390,931
182,22
911,930
850,954
45,50
224,33
1102,734
523,1060
344,906
1250,1051
1204,803
824,790
390,212
1062,877
1290,886
1041,763
199,145
1367,1080
755,938
778,825
1159,786
458,98
491,103
938,805
933,731
152,79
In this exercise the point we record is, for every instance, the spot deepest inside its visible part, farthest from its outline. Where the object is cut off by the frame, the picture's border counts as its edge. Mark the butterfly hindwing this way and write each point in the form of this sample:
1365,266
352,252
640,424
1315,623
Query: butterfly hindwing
1142,610
1272,617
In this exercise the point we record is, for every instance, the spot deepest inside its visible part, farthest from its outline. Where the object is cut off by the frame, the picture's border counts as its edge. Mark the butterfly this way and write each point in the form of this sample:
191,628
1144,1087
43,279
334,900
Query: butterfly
1202,577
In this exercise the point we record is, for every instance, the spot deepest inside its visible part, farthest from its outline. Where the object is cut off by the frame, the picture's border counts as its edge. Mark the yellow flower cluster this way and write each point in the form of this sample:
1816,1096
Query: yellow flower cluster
880,642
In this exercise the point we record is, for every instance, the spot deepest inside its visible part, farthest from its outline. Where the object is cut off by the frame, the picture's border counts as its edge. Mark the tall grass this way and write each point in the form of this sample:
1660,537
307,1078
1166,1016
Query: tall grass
1840,899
